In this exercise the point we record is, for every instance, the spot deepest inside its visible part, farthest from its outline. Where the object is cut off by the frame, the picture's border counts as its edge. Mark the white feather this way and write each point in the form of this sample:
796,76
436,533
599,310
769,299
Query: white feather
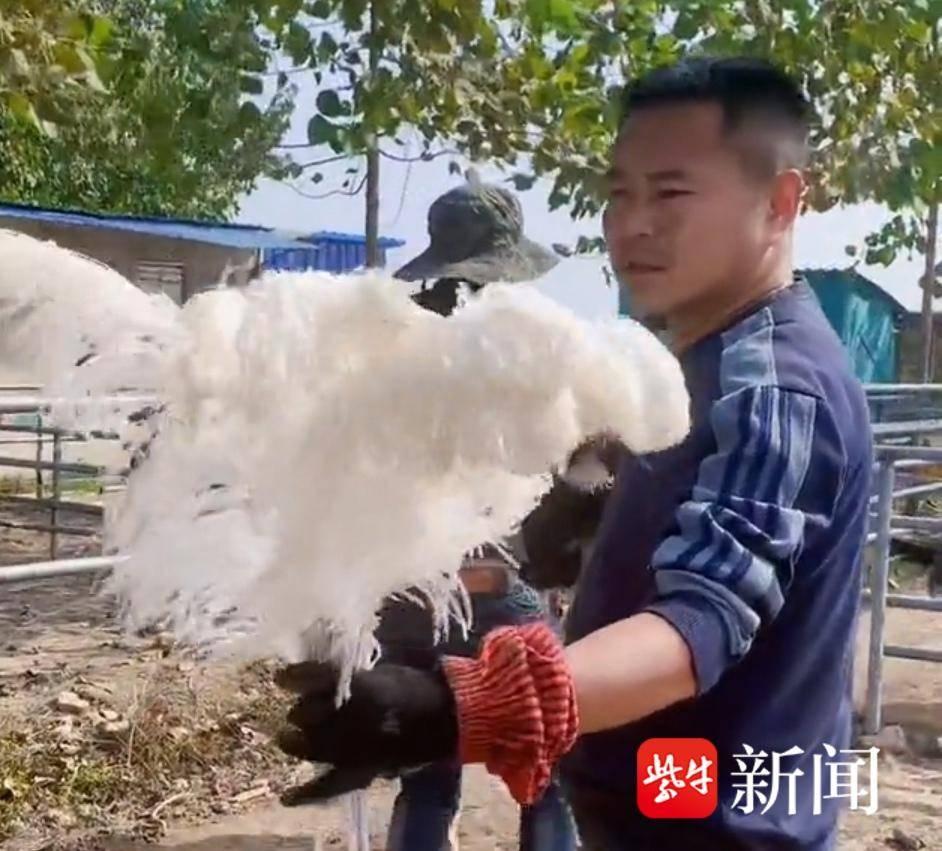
362,444
58,308
588,472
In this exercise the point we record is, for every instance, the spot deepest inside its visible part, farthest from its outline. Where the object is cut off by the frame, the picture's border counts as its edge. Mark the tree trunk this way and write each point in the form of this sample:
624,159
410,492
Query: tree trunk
372,208
372,161
928,290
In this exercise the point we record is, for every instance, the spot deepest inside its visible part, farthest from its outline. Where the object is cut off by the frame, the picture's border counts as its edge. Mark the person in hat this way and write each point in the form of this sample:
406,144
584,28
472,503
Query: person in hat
720,604
476,238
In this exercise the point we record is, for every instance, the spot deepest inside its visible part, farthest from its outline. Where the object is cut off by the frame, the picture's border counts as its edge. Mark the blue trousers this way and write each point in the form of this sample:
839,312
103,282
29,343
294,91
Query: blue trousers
426,809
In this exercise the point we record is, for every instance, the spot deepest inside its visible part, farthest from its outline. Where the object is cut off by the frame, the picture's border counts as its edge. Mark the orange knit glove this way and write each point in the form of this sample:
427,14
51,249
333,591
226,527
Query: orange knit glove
516,707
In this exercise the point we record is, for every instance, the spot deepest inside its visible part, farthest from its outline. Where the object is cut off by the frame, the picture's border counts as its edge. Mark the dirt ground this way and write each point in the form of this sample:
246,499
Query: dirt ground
59,635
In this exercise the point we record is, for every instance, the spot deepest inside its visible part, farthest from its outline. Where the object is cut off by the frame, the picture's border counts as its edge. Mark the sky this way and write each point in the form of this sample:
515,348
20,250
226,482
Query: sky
407,191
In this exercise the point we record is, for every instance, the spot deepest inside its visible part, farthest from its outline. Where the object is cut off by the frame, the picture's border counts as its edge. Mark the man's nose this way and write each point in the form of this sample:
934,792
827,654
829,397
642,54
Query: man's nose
629,219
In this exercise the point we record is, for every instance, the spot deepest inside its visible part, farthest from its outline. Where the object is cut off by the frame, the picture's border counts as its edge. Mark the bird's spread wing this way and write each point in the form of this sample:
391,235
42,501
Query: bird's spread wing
83,330
324,442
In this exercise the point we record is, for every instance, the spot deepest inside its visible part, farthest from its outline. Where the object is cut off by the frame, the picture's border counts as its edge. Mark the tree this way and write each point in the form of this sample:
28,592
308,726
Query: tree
872,67
176,132
533,85
49,49
457,74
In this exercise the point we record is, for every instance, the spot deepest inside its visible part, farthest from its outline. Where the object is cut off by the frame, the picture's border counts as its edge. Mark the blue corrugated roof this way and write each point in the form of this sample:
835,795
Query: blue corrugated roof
215,233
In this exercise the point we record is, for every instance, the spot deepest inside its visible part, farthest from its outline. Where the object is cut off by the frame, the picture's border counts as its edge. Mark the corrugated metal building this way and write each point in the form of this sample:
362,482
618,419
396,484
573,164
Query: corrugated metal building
182,257
867,318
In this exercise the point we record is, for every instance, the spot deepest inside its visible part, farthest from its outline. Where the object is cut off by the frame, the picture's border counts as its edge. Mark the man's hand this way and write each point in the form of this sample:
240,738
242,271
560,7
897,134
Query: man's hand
396,718
512,709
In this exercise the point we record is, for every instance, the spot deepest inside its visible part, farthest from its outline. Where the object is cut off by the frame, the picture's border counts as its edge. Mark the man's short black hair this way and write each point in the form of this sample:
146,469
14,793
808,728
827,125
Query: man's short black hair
752,93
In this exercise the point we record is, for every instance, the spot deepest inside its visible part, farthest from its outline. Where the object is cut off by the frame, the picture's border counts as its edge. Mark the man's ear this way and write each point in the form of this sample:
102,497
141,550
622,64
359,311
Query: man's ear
788,190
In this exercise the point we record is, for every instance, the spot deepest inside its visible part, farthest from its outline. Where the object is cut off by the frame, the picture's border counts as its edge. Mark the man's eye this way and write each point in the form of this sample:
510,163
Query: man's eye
673,193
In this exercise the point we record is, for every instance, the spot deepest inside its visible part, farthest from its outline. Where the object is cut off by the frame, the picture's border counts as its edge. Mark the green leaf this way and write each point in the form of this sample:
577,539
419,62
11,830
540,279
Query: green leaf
251,85
320,9
563,13
330,105
298,42
327,48
522,182
320,131
172,136
538,12
329,43
590,245
249,113
74,26
686,24
881,257
101,31
22,108
73,59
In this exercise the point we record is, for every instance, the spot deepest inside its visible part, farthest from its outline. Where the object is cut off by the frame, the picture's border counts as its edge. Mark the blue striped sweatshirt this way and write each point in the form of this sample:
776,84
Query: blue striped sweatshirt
748,538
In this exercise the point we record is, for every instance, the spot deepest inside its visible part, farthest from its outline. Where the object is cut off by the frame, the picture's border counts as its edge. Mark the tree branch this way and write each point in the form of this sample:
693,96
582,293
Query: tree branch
323,25
333,192
426,157
509,49
324,161
299,69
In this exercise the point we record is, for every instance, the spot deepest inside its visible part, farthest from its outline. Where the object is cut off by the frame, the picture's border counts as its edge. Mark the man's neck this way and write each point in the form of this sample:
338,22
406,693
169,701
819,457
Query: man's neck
694,323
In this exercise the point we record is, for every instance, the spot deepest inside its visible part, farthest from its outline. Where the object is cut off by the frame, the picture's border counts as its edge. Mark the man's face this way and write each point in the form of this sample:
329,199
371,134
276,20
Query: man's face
685,220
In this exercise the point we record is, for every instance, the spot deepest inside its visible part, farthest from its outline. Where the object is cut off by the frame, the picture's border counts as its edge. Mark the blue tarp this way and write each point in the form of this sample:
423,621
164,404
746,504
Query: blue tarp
326,250
866,317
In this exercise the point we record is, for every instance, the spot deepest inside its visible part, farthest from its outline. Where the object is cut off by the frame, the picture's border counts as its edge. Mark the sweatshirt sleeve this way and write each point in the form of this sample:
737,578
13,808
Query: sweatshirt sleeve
725,567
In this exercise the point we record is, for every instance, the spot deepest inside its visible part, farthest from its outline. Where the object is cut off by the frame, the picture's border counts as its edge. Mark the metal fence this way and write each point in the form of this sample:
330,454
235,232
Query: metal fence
897,436
883,526
45,495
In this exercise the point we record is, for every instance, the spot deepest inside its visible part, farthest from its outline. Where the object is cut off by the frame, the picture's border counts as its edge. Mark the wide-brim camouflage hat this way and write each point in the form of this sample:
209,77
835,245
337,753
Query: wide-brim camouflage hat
476,234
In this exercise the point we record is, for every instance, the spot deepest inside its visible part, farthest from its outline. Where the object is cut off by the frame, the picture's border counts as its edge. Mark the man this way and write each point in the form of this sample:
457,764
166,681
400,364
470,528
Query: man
476,238
723,589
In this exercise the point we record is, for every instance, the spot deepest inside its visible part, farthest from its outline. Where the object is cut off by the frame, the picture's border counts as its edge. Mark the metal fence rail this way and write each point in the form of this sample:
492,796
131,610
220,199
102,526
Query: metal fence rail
883,525
57,567
56,509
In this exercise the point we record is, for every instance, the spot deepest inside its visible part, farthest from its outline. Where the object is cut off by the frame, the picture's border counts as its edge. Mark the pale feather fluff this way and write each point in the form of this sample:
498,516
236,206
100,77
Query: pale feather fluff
324,442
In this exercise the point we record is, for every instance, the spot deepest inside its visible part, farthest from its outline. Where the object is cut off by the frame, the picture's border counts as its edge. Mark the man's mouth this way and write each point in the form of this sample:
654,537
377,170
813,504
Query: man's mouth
639,268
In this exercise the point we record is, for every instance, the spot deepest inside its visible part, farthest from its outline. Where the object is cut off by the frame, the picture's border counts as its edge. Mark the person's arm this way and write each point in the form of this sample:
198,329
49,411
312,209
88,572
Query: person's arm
613,687
725,567
722,573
